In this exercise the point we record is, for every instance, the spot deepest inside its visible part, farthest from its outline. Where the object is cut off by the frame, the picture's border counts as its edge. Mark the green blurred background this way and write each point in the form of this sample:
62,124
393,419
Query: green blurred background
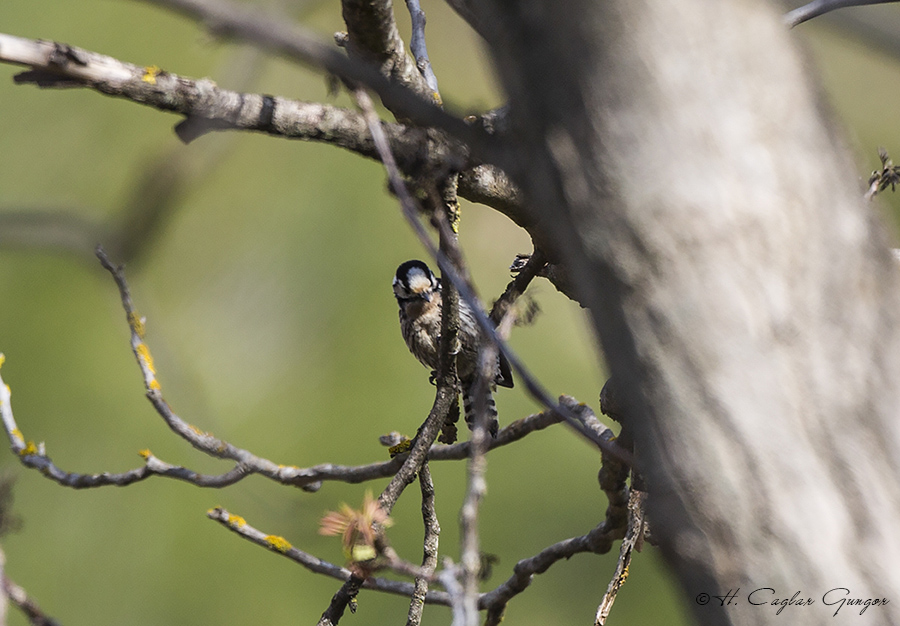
270,315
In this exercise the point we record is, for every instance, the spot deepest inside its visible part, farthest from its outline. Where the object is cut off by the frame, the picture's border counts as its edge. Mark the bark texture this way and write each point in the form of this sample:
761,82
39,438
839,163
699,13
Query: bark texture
681,161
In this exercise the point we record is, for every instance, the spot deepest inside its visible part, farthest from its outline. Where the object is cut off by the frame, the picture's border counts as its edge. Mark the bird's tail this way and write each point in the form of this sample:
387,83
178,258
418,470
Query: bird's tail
471,406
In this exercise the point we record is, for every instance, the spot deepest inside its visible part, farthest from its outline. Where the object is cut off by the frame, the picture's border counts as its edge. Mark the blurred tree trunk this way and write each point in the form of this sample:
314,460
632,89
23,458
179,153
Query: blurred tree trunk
745,296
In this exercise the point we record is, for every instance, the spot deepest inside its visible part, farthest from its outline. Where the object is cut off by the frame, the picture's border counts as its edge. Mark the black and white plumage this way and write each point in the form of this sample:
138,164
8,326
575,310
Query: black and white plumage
418,292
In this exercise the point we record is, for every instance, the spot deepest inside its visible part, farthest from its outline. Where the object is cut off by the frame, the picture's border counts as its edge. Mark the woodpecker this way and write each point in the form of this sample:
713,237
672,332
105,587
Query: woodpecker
418,293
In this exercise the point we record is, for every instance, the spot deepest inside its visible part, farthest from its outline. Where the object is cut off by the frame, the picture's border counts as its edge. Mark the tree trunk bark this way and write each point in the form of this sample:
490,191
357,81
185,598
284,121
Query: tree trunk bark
685,170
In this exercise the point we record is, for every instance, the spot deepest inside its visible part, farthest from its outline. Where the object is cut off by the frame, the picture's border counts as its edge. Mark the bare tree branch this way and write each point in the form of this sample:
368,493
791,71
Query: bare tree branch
613,475
277,35
470,554
447,383
60,65
203,441
599,541
34,456
418,47
517,286
490,185
374,38
207,107
429,546
20,598
632,541
476,487
271,33
428,432
495,600
280,545
820,7
342,598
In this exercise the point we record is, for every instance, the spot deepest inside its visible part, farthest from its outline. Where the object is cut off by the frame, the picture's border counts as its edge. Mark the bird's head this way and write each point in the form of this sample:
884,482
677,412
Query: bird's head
415,281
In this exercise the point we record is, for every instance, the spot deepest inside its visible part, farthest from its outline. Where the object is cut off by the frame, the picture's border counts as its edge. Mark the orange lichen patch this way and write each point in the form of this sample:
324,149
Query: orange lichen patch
17,434
137,324
236,521
198,432
400,448
143,353
2,359
29,449
278,543
154,385
145,453
150,74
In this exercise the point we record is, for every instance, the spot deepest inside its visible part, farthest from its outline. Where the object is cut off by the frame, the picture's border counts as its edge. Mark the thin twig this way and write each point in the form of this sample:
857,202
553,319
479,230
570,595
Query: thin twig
613,476
429,547
820,7
419,453
594,541
444,397
598,541
343,597
517,286
201,440
446,206
20,598
449,578
631,542
280,545
470,553
34,456
418,47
